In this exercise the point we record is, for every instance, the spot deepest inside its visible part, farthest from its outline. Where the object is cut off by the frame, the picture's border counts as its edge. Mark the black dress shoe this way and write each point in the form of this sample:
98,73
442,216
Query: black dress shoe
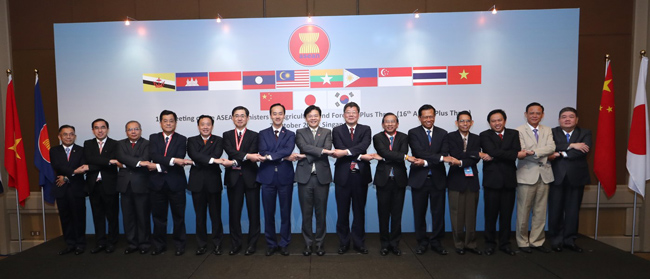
179,252
249,251
271,250
201,251
474,251
144,251
489,251
541,249
440,250
284,251
97,249
397,251
361,250
508,251
557,248
526,249
217,250
460,251
320,250
110,249
574,248
78,251
157,252
420,250
343,249
66,250
130,250
383,251
307,251
234,250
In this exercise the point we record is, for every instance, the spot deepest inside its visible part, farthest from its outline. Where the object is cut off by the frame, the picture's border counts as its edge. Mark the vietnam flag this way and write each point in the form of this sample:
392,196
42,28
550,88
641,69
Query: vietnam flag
267,99
464,74
14,150
638,161
605,153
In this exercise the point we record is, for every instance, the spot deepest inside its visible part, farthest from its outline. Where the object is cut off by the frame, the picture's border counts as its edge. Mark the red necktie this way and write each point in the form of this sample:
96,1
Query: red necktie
352,134
133,145
501,136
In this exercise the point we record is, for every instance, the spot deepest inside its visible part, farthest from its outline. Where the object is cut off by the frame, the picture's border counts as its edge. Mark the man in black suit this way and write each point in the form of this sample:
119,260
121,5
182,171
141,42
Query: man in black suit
205,183
501,147
390,179
571,173
427,179
351,178
168,183
463,184
101,182
68,164
241,145
133,185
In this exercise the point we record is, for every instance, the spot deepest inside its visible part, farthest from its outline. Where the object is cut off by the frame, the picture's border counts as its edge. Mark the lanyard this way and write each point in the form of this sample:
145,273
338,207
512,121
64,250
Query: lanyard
390,146
167,145
239,141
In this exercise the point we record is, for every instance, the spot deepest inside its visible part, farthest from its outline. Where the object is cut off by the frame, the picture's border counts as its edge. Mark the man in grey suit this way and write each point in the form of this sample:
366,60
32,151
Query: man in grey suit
314,176
534,173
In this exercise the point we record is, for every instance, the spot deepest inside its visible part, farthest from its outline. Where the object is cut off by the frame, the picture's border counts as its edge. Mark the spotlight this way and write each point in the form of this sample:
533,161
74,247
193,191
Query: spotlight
494,9
416,14
218,18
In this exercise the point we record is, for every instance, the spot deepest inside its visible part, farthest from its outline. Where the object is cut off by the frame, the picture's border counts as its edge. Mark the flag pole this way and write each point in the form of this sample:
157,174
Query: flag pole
42,192
597,211
633,225
20,231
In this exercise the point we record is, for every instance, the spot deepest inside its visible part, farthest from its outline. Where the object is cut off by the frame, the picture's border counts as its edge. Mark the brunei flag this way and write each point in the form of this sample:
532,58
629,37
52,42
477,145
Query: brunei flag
326,78
159,82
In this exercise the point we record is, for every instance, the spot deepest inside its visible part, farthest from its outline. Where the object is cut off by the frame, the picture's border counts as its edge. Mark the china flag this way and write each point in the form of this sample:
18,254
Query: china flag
464,74
14,150
267,99
605,151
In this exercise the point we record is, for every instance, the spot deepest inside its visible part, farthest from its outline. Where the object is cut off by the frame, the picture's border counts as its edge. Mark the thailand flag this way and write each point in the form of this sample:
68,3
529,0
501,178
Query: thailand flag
429,76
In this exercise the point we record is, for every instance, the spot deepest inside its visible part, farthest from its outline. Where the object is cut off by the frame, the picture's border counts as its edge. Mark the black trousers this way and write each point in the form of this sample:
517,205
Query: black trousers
390,203
206,202
422,197
499,204
136,217
161,201
72,213
236,196
105,208
563,211
354,193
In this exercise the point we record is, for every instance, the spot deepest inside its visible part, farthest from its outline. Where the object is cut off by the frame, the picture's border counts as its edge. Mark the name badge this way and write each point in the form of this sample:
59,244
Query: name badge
468,171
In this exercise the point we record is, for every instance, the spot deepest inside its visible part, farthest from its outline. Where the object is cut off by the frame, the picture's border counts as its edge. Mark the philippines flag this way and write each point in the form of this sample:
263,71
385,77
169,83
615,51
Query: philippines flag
292,79
429,76
191,81
638,161
402,76
42,147
259,80
360,77
224,81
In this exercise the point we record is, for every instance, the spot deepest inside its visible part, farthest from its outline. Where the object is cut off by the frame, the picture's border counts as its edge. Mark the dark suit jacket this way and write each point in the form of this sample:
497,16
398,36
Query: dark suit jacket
130,156
100,162
420,148
501,171
62,166
173,175
392,158
278,149
456,179
313,148
342,140
203,174
248,168
574,166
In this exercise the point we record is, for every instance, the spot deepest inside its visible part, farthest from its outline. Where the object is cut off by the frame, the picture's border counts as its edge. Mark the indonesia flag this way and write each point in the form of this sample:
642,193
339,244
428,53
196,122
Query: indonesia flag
224,81
638,161
395,76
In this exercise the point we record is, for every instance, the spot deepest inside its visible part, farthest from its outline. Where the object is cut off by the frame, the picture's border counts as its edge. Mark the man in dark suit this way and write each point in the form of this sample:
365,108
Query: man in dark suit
463,184
571,173
168,183
276,176
68,164
501,147
133,185
313,175
390,179
241,145
427,179
101,181
351,178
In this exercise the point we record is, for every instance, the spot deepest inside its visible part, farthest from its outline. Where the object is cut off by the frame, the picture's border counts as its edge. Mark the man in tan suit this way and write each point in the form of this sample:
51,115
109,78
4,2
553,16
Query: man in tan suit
534,173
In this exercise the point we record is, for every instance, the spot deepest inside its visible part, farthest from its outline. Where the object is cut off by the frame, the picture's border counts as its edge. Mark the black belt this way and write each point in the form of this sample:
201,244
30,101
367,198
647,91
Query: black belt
354,171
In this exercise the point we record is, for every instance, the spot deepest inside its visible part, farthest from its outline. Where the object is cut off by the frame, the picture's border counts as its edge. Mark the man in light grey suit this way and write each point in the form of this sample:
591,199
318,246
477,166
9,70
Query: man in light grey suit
314,176
534,173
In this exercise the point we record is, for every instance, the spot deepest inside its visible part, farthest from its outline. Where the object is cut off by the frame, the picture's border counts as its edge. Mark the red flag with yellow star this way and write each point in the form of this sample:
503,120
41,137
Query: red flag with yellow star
605,153
14,150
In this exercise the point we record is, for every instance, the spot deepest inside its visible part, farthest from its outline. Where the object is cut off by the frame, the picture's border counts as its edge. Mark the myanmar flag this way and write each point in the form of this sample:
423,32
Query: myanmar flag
326,78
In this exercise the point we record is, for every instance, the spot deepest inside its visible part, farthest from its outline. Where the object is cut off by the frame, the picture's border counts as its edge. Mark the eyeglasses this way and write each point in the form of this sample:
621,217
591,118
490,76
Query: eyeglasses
464,121
133,129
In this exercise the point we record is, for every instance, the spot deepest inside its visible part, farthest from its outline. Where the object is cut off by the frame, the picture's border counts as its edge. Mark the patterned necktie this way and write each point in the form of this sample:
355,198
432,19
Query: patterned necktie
391,139
313,133
536,135
501,136
352,133
276,134
101,146
166,140
429,136
67,152
238,136
464,144
568,137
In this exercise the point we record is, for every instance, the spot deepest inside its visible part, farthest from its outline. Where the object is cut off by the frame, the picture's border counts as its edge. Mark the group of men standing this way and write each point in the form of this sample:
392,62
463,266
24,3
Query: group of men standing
150,177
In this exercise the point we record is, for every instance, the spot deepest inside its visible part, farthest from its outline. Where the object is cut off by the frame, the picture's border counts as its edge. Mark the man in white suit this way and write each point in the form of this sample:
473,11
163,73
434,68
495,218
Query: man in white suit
534,174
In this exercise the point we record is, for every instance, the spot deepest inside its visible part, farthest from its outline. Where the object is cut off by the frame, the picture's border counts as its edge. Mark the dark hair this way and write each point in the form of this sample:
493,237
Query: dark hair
351,105
503,113
463,113
568,109
126,126
533,104
275,105
311,108
426,107
389,114
66,126
92,125
168,112
238,108
204,116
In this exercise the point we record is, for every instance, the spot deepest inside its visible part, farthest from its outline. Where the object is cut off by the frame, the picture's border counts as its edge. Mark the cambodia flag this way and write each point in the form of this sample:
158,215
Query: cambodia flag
42,147
191,81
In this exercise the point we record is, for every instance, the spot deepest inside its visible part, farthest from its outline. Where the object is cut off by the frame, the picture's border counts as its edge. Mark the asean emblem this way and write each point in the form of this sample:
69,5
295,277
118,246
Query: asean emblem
44,144
309,45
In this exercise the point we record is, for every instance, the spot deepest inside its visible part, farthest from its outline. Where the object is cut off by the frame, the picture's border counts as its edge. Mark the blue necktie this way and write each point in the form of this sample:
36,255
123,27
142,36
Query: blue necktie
429,136
67,152
568,137
391,148
536,135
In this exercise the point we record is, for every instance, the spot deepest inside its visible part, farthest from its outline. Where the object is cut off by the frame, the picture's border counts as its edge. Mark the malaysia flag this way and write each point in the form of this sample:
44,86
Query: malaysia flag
292,79
225,81
360,77
191,81
402,76
429,76
259,80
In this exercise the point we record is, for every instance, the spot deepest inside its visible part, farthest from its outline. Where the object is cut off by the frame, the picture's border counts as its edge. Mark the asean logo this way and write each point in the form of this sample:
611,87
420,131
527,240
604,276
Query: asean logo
309,45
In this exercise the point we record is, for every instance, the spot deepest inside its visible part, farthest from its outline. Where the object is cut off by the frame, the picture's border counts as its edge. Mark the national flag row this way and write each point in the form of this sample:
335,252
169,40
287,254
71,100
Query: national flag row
297,79
300,100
